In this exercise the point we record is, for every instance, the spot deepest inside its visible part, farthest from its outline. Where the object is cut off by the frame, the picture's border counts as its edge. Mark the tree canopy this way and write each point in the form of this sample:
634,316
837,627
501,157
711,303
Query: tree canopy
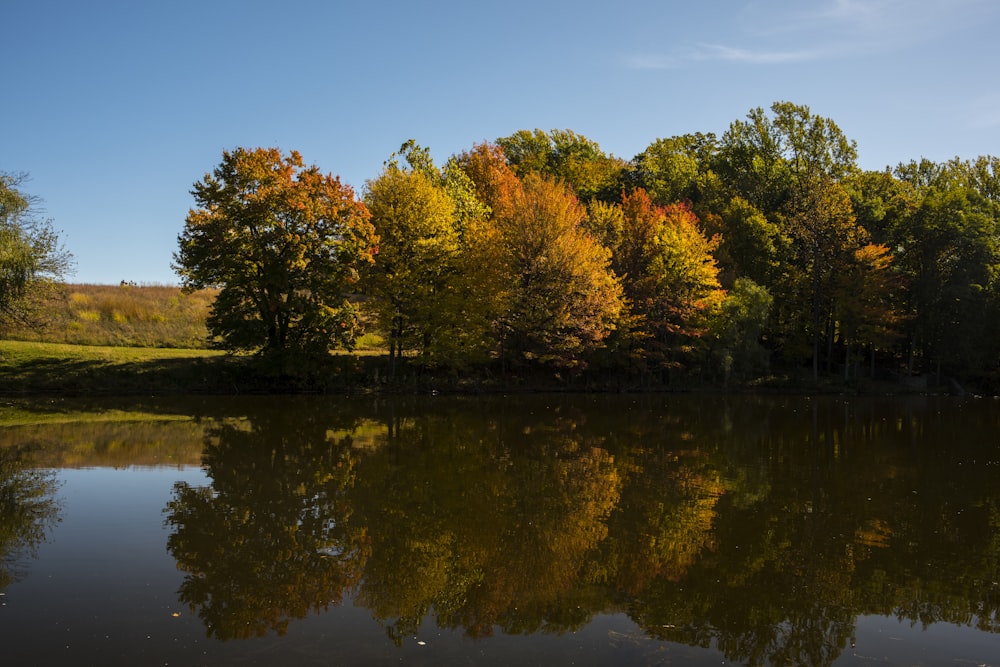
284,243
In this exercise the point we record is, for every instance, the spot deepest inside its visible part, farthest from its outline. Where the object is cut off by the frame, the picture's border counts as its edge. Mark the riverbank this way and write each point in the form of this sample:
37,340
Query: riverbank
52,369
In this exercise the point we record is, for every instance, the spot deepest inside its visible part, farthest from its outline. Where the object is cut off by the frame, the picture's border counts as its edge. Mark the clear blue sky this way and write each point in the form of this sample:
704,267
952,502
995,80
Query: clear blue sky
116,108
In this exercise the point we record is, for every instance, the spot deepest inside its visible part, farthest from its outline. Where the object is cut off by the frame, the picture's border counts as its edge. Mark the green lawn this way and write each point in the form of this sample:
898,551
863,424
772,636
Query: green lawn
60,369
13,353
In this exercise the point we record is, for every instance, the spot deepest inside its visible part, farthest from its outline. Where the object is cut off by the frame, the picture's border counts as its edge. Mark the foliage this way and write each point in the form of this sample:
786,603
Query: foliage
567,156
669,275
868,301
763,156
539,252
948,249
560,297
825,236
751,246
411,281
736,331
283,243
32,261
669,168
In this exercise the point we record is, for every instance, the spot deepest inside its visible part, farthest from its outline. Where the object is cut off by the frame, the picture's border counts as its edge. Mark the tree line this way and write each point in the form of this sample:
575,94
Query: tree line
726,258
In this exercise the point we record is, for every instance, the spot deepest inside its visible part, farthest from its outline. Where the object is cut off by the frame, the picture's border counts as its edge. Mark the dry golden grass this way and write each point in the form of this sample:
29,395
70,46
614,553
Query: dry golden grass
125,315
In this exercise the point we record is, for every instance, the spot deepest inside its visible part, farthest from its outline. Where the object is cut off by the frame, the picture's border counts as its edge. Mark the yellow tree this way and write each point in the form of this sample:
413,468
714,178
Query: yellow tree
686,290
543,277
415,268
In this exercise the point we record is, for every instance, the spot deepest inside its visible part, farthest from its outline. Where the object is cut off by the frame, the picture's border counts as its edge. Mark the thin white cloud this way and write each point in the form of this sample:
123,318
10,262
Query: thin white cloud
834,29
732,54
721,53
857,10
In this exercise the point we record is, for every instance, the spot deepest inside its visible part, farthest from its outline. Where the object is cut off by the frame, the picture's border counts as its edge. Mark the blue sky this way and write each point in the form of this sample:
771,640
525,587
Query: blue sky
116,108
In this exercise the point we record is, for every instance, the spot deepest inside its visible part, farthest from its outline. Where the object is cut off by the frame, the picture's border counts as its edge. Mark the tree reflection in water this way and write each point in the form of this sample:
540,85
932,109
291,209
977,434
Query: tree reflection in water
270,540
28,510
709,521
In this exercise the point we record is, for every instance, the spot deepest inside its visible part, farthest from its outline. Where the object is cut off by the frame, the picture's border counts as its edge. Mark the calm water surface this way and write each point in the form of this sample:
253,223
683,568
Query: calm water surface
541,530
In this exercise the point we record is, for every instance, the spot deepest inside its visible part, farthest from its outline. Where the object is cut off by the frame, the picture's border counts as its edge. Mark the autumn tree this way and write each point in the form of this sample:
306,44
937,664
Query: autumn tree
33,263
869,306
669,275
284,243
544,279
494,181
686,290
413,279
561,297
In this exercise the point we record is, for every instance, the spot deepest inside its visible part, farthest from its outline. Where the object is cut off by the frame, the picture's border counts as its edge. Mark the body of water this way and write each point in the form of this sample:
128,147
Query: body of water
548,530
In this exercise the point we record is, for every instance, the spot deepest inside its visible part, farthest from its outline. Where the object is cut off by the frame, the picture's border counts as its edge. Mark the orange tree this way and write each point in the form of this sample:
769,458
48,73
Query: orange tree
284,243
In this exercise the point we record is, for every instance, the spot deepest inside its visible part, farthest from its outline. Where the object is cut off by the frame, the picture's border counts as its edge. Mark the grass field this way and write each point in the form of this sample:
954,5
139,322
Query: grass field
137,339
60,368
132,315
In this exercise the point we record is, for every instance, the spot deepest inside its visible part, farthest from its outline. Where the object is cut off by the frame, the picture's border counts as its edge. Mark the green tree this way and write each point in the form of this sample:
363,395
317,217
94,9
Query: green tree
284,243
735,333
825,236
668,169
764,156
881,201
33,263
948,249
575,159
751,246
